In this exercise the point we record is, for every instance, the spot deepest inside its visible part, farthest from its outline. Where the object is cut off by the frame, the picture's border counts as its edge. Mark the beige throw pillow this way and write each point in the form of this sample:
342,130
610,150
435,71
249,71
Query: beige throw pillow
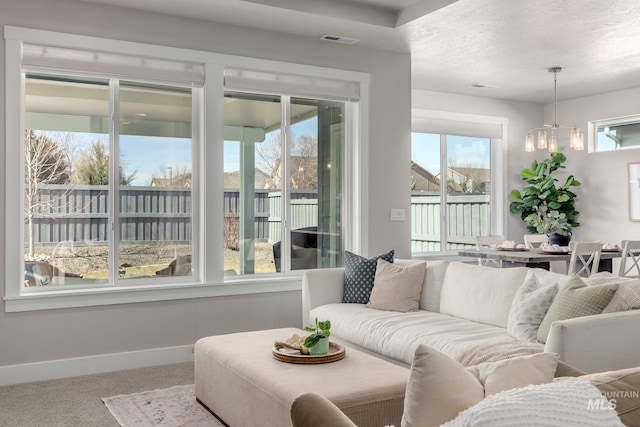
628,295
516,372
396,287
575,299
439,387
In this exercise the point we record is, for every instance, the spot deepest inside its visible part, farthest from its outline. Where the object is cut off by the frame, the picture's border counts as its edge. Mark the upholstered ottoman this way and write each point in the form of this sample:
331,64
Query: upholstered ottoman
237,378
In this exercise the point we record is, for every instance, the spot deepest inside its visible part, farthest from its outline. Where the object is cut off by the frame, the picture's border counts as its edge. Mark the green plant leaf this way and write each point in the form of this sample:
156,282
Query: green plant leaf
515,194
312,340
526,174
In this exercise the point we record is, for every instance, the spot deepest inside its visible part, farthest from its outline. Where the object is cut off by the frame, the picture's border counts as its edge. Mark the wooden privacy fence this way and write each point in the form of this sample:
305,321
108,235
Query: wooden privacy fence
468,216
152,214
149,214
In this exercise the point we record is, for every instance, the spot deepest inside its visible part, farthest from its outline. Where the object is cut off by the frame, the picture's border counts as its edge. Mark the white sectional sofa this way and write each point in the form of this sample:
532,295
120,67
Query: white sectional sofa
463,313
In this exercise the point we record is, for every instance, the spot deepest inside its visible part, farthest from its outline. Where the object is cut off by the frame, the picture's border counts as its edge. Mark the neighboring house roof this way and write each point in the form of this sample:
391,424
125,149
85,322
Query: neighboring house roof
423,179
182,180
232,179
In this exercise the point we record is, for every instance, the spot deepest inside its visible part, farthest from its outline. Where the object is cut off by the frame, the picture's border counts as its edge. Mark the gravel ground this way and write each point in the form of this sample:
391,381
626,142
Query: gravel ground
86,258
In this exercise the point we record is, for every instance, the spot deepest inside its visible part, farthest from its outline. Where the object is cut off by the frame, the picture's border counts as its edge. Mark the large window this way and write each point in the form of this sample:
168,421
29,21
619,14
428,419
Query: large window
450,191
150,173
93,216
266,217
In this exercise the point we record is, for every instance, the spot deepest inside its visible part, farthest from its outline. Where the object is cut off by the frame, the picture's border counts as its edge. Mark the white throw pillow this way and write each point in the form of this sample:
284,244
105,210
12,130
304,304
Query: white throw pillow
531,303
478,293
397,287
569,402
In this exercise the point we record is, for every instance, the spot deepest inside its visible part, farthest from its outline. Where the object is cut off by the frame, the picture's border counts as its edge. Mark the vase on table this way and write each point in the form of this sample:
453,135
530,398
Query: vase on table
321,347
558,239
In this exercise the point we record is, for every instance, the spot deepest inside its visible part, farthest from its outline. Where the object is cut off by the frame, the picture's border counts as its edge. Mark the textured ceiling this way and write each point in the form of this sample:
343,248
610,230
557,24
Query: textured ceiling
456,44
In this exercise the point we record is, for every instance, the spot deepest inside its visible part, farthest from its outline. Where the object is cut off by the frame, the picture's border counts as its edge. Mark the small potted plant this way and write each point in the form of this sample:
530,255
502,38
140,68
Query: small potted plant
545,207
318,341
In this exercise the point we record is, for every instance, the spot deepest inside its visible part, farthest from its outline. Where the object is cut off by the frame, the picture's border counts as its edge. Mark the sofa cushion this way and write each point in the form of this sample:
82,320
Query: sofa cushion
397,335
622,388
359,274
575,299
478,293
396,287
566,402
430,296
531,303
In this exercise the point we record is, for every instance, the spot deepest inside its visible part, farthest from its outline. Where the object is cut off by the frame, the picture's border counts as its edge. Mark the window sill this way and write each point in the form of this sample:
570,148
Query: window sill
121,295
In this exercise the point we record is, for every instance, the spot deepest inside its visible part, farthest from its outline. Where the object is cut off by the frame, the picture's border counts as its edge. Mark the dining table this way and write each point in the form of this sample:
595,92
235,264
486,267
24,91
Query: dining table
535,257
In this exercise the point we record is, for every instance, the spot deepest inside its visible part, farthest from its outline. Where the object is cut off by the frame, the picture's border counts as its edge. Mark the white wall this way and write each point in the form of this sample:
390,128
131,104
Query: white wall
31,337
603,197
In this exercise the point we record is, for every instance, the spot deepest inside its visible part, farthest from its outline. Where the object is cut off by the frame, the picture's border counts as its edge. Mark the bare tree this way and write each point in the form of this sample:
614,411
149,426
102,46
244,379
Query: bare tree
304,162
45,163
171,176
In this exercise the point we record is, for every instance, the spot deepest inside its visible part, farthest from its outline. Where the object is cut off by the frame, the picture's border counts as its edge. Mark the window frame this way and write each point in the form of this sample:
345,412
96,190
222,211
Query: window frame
592,131
423,122
207,197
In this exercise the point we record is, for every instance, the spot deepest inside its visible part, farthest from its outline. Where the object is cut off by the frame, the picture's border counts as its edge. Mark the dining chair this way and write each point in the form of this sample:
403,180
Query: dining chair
586,256
631,256
535,240
489,242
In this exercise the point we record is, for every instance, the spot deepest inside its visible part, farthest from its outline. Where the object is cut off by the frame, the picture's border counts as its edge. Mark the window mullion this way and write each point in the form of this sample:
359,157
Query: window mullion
285,170
444,209
114,197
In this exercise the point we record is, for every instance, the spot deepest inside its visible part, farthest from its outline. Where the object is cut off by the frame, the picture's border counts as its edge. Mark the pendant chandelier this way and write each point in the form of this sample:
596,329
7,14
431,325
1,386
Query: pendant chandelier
576,139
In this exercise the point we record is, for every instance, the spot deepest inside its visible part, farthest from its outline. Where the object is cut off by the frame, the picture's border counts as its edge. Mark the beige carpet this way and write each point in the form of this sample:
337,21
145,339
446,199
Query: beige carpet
174,406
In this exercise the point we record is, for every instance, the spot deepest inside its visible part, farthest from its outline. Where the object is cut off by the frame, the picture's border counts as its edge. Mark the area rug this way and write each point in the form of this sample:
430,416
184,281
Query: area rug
175,406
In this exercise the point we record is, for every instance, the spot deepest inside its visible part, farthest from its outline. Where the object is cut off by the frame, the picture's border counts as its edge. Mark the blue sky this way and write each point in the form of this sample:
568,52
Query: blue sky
462,151
232,148
146,154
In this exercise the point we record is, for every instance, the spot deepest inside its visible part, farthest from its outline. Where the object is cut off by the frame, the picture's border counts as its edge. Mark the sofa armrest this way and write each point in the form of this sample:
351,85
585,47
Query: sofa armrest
598,343
314,410
319,287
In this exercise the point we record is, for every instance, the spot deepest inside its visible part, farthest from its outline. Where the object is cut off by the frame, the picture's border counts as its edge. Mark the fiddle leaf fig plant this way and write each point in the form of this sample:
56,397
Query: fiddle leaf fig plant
545,206
320,331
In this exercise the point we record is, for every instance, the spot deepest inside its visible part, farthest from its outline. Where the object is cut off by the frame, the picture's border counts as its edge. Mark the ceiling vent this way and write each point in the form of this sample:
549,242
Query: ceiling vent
338,39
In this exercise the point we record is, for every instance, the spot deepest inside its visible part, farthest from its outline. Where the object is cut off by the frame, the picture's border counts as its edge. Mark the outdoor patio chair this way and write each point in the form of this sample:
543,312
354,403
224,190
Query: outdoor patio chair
489,242
585,256
630,260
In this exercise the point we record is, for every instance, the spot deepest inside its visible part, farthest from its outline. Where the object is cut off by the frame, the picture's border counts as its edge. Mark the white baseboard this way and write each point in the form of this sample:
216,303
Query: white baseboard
52,369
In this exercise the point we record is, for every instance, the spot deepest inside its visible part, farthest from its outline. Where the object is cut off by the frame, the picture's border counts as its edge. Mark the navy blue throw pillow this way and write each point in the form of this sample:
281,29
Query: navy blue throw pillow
359,274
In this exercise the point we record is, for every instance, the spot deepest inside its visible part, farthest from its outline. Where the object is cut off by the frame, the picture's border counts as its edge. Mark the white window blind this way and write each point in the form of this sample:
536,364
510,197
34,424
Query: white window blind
455,127
112,64
290,84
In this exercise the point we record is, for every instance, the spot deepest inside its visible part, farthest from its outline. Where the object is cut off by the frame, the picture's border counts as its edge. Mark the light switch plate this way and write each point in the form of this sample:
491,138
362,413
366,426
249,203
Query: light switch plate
397,214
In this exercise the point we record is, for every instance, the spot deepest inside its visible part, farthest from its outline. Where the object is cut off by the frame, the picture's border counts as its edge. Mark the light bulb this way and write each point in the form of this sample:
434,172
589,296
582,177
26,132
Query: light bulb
528,144
553,144
578,145
542,140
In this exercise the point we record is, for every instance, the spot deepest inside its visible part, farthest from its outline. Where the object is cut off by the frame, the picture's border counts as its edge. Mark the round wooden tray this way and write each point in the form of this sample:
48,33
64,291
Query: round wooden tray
336,352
